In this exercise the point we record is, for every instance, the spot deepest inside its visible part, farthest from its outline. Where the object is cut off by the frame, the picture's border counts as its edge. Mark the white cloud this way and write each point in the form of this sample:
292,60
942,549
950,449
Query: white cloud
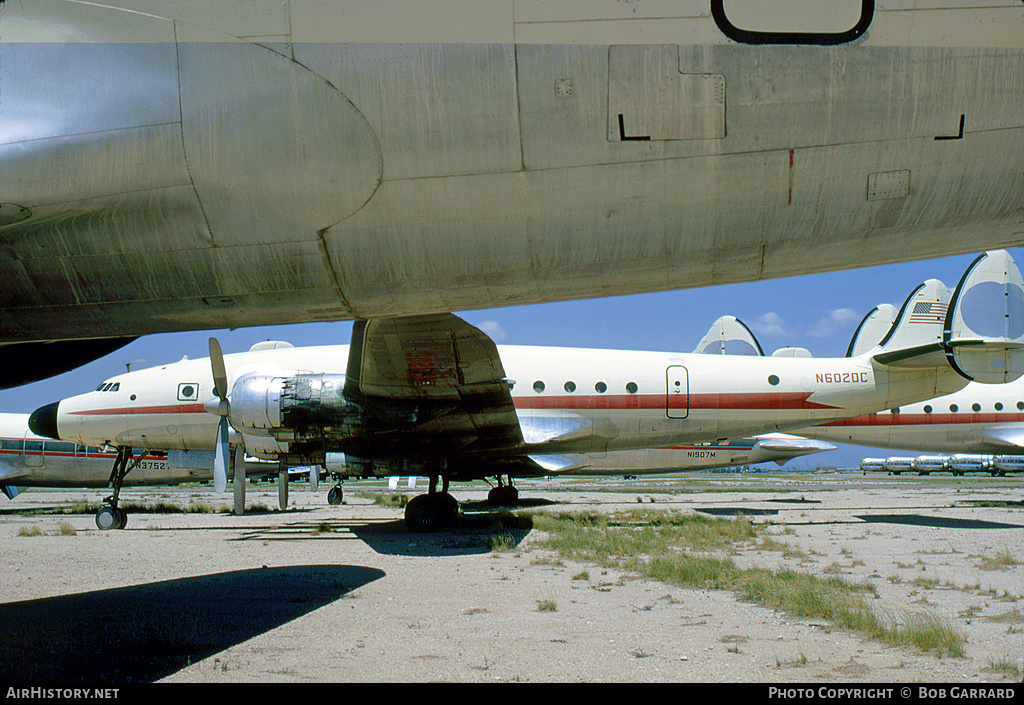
493,329
769,324
833,322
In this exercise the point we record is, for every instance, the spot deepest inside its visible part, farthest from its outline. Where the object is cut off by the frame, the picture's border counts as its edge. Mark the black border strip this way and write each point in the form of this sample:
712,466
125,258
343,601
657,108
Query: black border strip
744,36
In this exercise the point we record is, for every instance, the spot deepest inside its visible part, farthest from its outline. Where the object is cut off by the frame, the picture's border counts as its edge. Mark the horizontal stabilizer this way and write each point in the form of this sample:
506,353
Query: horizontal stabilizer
872,329
783,443
561,463
1009,437
984,328
729,336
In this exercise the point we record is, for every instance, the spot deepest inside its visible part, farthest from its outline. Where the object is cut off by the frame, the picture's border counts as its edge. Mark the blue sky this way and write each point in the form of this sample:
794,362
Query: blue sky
818,312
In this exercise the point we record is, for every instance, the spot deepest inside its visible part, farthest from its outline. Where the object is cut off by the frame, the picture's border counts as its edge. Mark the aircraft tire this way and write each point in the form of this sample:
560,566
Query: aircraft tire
424,514
335,495
109,518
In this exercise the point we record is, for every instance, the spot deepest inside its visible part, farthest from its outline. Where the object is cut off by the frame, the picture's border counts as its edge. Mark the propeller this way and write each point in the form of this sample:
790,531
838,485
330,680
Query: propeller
221,454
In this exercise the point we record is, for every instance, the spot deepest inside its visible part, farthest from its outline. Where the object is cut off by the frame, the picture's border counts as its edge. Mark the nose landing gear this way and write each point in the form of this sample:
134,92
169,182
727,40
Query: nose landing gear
111,516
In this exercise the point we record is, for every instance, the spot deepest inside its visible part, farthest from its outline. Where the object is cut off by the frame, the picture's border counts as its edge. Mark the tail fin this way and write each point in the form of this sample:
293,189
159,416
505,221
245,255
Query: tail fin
872,329
729,336
984,327
915,337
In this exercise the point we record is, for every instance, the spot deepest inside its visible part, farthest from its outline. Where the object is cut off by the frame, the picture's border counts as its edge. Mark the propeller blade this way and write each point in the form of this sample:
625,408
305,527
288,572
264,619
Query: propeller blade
238,473
220,375
220,457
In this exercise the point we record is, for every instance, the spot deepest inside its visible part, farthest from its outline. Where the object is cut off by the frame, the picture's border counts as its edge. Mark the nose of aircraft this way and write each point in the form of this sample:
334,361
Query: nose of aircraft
43,421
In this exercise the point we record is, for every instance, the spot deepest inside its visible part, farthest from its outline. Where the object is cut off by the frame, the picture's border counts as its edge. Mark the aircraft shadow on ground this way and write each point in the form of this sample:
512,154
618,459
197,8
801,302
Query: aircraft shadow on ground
481,529
145,632
737,511
937,522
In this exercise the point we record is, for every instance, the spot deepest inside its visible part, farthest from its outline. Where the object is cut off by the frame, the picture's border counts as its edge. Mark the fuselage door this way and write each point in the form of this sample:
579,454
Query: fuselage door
677,392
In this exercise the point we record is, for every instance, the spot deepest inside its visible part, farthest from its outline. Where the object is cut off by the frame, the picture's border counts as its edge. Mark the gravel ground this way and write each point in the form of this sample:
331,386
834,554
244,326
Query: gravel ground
345,593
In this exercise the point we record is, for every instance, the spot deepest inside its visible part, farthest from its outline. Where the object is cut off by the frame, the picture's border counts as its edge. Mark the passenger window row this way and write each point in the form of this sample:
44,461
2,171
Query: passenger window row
599,387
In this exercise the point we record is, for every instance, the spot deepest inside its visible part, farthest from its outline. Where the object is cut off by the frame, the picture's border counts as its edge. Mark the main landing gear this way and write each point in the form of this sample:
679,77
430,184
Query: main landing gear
111,516
432,511
503,495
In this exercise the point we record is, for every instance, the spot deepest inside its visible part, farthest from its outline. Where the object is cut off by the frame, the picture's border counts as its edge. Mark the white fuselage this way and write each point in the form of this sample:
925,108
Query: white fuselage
980,418
618,400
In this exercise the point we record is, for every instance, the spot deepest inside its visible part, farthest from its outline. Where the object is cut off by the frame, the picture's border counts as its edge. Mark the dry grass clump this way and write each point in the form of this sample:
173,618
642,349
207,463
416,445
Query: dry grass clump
681,549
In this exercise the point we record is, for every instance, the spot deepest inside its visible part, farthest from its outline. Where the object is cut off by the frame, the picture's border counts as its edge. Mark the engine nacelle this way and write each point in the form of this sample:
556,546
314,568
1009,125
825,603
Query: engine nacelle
298,407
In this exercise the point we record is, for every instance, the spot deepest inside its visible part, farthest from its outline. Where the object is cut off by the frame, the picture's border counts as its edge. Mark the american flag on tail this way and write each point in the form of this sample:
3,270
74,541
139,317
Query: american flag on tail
928,312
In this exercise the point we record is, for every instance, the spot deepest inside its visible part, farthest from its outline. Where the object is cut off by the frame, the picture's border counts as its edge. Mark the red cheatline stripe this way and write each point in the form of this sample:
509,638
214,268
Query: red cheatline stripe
760,400
164,409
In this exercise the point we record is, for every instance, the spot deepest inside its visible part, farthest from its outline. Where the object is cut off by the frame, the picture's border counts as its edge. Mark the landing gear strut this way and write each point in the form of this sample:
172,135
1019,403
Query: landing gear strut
111,516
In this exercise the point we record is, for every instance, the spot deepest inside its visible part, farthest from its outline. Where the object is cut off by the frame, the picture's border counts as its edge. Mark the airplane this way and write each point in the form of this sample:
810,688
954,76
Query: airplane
432,395
179,165
29,460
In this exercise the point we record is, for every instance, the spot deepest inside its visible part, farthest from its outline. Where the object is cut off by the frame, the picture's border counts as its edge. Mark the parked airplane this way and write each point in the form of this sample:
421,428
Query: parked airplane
958,464
171,165
429,395
28,460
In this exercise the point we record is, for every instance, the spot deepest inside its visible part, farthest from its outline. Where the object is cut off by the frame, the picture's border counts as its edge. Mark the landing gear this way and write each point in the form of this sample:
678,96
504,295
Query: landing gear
432,511
111,516
503,495
426,513
335,495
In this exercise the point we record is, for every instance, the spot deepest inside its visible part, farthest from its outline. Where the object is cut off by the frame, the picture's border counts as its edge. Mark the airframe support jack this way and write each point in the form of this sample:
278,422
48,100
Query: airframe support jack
238,479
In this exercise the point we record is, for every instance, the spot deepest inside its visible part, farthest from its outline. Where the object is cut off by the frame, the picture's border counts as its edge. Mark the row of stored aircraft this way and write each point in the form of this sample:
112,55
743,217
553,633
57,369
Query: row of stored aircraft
431,395
169,165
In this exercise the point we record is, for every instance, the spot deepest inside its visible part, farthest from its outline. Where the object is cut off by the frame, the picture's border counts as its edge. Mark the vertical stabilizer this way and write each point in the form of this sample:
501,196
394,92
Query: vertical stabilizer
918,327
729,336
984,327
872,329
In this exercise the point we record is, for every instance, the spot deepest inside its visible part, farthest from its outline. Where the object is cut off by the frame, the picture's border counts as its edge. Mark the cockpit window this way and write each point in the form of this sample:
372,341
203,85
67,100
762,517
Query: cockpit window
108,387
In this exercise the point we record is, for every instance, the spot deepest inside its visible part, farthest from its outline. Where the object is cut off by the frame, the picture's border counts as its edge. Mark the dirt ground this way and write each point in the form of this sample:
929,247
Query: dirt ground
346,593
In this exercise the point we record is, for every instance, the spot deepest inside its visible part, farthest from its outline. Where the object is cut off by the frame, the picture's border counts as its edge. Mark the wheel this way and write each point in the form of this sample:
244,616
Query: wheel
335,495
108,518
451,510
425,513
504,496
122,518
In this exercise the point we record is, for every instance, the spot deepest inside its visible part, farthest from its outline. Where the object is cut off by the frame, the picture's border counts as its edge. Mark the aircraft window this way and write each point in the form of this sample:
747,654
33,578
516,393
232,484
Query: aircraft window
115,386
188,391
976,406
570,387
954,408
538,386
999,406
927,408
775,23
107,386
631,387
773,380
100,388
1020,406
896,410
601,387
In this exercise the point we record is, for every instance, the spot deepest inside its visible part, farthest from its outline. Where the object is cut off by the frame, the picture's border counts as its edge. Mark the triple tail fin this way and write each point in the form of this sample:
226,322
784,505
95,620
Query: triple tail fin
978,330
915,336
729,336
872,329
984,328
